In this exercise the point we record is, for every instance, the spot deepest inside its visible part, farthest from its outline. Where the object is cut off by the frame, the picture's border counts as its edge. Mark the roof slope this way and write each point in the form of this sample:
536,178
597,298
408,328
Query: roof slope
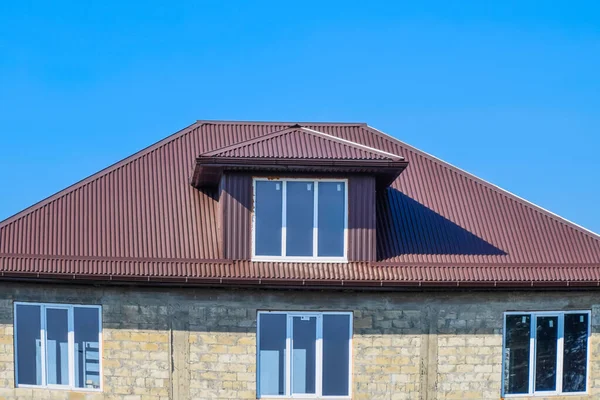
140,217
300,142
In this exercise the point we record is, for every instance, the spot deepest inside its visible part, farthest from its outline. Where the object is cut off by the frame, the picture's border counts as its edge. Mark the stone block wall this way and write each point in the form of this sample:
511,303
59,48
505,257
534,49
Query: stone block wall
161,344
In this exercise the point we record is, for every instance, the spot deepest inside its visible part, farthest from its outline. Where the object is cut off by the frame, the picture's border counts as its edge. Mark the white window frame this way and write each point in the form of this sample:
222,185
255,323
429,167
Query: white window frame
560,351
314,257
319,355
71,346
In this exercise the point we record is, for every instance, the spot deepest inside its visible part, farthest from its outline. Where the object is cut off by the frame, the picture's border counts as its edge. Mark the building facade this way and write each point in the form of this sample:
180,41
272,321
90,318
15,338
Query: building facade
272,260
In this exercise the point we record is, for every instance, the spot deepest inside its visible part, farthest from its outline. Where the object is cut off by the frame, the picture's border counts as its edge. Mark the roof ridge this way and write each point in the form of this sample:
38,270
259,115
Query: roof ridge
490,185
233,122
103,172
298,127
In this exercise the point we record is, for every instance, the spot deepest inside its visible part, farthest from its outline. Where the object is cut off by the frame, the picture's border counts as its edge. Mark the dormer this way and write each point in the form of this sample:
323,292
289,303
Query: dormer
297,195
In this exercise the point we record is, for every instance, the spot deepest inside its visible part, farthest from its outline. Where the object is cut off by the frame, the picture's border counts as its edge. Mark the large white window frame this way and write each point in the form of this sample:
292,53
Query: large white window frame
314,257
71,345
559,353
319,355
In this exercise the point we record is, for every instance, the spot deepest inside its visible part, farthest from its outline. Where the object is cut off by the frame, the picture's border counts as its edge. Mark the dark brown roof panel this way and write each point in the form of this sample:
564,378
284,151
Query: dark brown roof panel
348,275
304,143
297,149
433,215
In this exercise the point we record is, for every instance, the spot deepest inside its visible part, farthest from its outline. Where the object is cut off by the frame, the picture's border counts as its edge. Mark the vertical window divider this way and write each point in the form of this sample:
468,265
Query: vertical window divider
15,335
71,345
43,344
588,373
100,350
258,358
559,352
316,220
346,212
350,357
319,357
288,358
253,227
532,333
283,217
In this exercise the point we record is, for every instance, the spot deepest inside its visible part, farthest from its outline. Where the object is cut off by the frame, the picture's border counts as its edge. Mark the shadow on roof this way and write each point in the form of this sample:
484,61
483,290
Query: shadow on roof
405,226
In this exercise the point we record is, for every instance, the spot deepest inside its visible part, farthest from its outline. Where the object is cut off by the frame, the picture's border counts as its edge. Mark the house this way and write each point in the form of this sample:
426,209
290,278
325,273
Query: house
243,260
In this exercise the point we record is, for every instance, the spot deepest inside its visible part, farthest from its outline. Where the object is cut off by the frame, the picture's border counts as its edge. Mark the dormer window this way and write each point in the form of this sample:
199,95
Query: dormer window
300,219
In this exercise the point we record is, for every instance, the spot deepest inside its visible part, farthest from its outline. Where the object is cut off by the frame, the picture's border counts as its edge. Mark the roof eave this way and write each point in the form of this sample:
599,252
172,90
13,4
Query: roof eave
281,283
208,170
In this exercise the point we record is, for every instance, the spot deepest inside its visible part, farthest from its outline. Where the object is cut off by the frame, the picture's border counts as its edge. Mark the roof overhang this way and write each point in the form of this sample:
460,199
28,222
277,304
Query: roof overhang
298,283
208,170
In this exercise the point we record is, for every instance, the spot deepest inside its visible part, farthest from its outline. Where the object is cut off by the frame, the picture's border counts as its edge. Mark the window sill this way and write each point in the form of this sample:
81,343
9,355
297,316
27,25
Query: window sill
299,396
338,260
544,394
60,388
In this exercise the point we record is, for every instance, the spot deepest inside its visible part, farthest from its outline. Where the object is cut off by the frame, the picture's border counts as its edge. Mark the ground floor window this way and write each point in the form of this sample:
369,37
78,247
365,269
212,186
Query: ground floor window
304,354
58,345
546,352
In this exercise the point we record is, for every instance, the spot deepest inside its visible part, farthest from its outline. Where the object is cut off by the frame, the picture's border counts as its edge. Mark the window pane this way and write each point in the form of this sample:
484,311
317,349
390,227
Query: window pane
336,354
516,355
304,354
299,218
87,347
272,337
332,214
575,353
268,219
545,353
28,345
57,347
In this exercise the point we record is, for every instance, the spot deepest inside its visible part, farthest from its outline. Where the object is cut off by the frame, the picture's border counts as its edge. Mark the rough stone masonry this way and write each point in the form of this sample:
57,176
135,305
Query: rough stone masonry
199,343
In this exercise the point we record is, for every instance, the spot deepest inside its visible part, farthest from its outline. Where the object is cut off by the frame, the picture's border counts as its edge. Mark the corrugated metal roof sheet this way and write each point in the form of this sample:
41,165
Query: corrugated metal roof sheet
349,275
299,142
443,221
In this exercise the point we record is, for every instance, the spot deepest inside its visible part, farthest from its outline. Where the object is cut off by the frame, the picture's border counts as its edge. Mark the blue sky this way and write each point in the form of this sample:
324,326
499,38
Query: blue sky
509,90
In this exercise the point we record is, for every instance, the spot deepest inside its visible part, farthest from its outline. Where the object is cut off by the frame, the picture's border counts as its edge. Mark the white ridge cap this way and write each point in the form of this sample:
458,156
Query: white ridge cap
362,146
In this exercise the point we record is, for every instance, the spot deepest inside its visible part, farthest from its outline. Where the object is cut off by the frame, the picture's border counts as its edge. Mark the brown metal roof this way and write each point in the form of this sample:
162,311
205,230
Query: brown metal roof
354,274
301,142
297,149
435,223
